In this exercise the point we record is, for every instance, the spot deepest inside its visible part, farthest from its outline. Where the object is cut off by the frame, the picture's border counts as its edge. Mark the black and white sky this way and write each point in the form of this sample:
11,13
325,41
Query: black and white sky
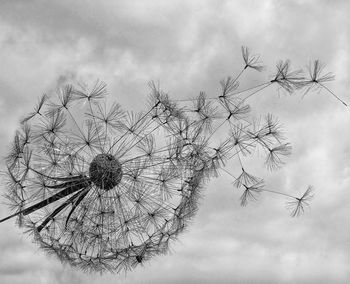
189,46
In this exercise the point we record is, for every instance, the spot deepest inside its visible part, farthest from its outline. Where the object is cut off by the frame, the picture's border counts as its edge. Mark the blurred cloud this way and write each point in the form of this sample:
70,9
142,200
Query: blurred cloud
189,46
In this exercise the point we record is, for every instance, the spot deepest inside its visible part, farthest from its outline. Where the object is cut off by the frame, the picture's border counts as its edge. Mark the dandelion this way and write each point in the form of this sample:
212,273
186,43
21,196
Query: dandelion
106,189
95,186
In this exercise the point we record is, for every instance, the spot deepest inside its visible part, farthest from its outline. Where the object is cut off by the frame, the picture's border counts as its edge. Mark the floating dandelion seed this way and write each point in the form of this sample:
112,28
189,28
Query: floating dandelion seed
251,60
297,205
104,189
317,80
250,192
247,134
286,79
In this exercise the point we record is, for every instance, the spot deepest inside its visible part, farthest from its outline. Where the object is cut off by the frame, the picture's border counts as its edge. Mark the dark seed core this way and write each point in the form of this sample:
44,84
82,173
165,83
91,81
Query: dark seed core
105,171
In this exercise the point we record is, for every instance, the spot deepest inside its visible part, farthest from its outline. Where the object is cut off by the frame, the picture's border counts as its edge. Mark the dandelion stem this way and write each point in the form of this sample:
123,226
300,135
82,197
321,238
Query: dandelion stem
58,210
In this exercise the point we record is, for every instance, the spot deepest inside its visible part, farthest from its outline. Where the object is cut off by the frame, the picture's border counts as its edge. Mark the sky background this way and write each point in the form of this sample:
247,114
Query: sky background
189,46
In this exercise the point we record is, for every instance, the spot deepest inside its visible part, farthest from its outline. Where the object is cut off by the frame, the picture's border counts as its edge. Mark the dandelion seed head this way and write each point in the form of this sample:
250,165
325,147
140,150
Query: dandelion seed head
102,188
105,171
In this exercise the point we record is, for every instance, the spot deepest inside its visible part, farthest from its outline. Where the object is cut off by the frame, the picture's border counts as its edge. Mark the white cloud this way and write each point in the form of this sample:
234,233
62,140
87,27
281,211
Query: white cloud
190,46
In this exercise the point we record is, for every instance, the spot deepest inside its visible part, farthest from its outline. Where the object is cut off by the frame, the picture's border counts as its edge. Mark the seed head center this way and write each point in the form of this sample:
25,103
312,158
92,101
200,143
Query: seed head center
105,171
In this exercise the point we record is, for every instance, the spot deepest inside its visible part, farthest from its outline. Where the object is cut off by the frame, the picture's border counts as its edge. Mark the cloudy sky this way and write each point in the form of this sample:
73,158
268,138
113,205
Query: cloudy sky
189,46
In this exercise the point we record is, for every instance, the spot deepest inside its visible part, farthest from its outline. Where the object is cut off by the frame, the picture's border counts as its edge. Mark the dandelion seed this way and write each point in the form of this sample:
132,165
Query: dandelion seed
245,179
273,128
317,79
235,109
315,73
286,79
241,140
97,92
274,156
37,109
251,60
251,192
228,87
297,205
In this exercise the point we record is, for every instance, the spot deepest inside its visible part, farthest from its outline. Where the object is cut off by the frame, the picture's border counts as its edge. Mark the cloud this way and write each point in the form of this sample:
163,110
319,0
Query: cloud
189,46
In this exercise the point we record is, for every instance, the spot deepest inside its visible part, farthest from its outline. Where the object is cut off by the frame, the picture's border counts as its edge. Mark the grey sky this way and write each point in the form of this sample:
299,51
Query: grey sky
190,46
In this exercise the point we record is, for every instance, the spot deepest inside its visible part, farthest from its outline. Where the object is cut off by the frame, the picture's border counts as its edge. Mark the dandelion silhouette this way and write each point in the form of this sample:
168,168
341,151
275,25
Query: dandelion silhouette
93,186
104,189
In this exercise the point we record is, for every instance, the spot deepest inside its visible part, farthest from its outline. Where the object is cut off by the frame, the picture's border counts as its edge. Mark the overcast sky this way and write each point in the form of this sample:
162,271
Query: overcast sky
190,46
